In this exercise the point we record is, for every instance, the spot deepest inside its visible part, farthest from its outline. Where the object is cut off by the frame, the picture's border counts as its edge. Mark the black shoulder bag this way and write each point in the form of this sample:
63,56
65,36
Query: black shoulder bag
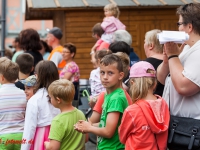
184,133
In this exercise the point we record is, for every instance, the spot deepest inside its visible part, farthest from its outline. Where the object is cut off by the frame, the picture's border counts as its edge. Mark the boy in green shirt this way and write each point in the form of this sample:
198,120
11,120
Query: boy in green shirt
62,134
111,74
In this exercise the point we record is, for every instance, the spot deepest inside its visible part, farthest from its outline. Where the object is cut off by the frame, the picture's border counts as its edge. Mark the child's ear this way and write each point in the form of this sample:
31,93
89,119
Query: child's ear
58,100
121,75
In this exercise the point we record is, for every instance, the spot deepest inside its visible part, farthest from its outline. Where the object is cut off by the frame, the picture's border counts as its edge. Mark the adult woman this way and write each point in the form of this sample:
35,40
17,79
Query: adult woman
182,84
29,40
71,69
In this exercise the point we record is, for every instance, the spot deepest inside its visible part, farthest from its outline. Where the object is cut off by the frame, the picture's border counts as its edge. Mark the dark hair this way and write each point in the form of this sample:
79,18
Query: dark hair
111,59
191,14
71,47
25,62
17,39
97,29
8,53
120,46
101,53
30,40
47,72
46,46
9,69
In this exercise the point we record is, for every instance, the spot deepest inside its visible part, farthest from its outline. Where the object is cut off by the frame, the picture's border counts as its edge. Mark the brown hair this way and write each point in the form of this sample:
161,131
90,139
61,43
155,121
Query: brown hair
25,62
125,62
47,72
191,14
71,47
63,89
97,29
111,59
8,53
30,40
113,9
9,69
101,53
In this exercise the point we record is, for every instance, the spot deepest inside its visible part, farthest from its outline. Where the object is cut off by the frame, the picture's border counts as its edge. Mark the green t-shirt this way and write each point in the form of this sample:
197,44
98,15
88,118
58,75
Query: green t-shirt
62,130
113,102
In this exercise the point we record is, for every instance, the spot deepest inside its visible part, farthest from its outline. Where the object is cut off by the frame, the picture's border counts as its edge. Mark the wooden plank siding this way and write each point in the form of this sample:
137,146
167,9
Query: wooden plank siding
79,23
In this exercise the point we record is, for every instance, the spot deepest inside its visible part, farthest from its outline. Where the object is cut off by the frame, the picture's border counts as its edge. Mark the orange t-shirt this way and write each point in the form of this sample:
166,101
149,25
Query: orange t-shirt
98,105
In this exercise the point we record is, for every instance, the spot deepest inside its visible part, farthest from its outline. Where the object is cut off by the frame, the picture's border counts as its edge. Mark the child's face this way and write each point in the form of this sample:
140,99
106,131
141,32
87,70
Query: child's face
107,13
29,92
54,101
110,76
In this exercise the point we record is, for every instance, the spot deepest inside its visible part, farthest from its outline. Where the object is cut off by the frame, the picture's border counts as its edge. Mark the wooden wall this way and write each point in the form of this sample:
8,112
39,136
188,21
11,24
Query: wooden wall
79,23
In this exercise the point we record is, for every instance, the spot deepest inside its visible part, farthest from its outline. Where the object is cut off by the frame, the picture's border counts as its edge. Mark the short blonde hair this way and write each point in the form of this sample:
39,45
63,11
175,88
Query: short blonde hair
125,62
9,69
151,37
63,89
139,88
113,9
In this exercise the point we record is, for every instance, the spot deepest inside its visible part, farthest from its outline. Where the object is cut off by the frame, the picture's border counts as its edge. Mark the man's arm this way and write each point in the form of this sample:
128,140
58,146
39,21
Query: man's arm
56,58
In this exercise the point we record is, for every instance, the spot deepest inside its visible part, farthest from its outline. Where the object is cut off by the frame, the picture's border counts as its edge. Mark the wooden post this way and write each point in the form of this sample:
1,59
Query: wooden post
59,21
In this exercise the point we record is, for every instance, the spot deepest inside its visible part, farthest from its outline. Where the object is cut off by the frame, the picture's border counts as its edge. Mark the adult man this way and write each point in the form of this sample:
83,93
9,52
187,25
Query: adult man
53,39
154,52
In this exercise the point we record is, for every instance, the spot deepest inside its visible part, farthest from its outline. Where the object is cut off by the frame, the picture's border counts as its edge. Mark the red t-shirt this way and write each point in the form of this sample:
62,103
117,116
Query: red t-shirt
98,105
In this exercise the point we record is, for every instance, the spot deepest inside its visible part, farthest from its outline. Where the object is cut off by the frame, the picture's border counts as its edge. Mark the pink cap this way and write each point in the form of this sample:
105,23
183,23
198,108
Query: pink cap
142,69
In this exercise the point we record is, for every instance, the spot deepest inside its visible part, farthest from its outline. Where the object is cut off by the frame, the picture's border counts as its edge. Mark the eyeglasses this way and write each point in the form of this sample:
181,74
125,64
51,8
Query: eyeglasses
180,23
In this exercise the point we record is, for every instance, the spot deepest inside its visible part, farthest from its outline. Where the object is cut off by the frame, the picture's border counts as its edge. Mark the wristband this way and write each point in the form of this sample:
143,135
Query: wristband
172,56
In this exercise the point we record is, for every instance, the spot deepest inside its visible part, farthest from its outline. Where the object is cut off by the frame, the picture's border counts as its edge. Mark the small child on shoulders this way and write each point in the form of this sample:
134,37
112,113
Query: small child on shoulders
62,134
111,23
144,124
111,74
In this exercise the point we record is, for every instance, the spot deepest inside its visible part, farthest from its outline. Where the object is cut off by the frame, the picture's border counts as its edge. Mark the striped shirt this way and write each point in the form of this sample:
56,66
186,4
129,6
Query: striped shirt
12,109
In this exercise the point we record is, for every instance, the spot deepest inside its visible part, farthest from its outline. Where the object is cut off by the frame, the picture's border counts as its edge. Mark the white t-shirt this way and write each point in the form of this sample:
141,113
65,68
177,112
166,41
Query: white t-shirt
39,113
56,58
185,106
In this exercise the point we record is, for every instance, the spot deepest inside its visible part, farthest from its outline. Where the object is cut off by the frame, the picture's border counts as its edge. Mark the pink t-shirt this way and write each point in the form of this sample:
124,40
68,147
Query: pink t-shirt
112,24
73,68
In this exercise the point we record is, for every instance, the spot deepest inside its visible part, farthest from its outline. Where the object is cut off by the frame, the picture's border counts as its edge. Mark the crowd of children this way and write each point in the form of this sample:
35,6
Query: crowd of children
42,116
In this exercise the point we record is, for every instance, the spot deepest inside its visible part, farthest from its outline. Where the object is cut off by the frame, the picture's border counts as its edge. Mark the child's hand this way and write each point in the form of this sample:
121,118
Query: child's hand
91,103
83,126
46,144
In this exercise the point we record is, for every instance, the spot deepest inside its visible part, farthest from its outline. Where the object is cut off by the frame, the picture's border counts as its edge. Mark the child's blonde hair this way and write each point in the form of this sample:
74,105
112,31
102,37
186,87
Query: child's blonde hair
63,89
113,9
141,85
125,62
9,69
